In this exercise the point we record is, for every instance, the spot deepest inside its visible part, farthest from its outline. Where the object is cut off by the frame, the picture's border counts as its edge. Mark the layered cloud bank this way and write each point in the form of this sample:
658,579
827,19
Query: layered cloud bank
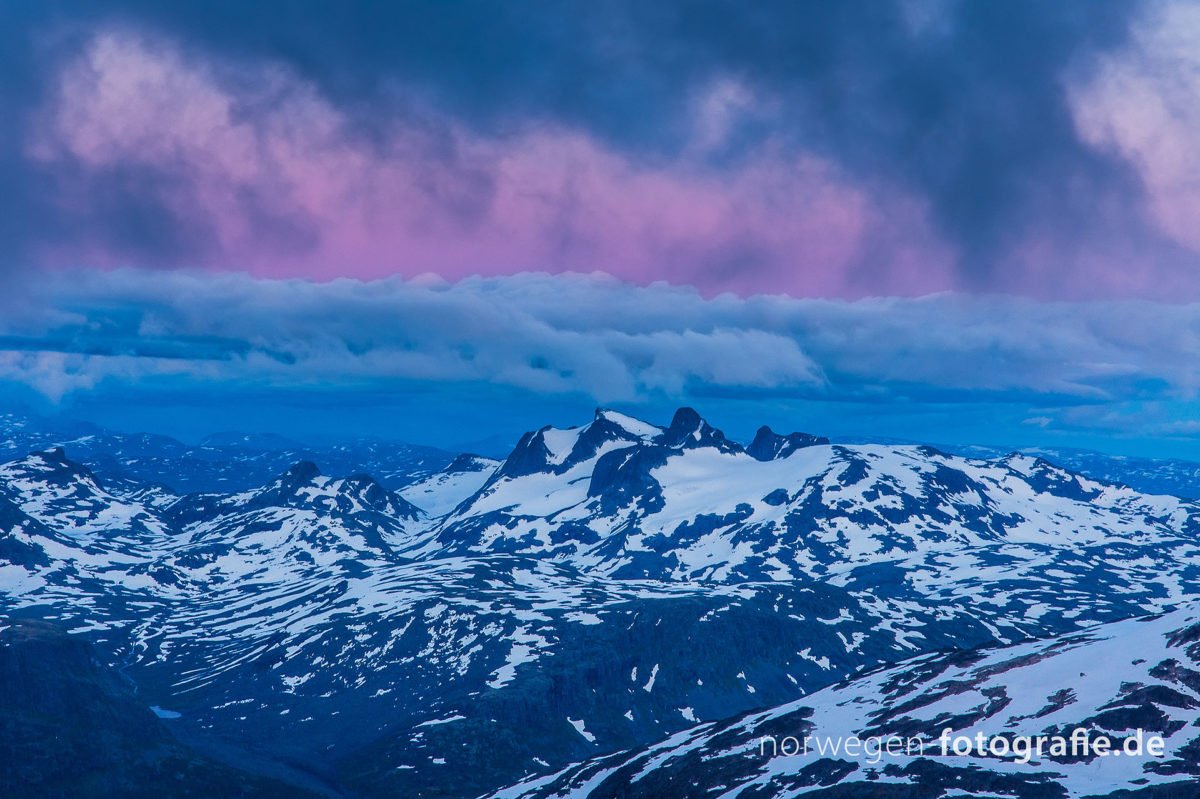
1093,363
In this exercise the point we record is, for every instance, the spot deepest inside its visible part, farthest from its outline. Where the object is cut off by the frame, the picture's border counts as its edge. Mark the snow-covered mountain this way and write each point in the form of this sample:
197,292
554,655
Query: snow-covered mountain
602,588
1111,681
903,528
625,498
1173,476
225,463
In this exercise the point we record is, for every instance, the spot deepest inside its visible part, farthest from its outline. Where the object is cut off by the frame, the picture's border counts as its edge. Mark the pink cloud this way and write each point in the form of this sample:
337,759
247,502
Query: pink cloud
281,184
1143,104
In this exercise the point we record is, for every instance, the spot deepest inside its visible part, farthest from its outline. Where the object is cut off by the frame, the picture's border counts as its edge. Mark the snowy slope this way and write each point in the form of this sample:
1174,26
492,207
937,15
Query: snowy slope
441,492
1111,680
1173,476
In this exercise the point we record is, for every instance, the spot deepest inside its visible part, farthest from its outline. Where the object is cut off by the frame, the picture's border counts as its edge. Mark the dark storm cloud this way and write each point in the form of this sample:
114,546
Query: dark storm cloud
963,100
123,210
963,105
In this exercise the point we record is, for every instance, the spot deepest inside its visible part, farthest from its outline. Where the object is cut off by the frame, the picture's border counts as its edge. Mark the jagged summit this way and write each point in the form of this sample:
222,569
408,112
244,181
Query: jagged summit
50,472
686,420
51,462
689,429
691,504
301,473
628,423
469,462
558,449
769,445
528,456
304,486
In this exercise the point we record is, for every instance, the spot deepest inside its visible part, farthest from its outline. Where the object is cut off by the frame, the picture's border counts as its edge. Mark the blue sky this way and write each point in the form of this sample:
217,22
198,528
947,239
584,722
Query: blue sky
484,419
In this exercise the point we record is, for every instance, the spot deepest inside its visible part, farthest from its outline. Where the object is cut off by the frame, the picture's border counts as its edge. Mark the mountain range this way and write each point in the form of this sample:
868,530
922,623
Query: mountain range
411,622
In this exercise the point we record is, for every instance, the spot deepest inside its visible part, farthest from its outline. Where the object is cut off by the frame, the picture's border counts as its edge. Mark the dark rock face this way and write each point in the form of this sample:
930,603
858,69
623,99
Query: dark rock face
530,455
14,550
72,728
769,445
622,477
689,430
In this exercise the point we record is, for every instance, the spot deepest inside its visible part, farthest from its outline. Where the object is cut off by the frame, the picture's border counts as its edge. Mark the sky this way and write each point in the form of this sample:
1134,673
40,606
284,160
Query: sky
956,222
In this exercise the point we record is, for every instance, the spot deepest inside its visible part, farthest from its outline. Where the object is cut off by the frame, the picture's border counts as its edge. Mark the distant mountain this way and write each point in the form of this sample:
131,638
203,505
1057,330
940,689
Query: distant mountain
600,589
1174,476
267,442
223,462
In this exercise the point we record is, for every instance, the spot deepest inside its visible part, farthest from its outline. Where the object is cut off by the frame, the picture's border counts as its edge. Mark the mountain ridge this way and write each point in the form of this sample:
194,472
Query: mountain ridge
618,583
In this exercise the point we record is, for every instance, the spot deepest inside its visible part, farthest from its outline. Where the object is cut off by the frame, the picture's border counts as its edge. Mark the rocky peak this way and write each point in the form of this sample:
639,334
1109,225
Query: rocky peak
469,462
689,430
50,467
530,455
769,445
